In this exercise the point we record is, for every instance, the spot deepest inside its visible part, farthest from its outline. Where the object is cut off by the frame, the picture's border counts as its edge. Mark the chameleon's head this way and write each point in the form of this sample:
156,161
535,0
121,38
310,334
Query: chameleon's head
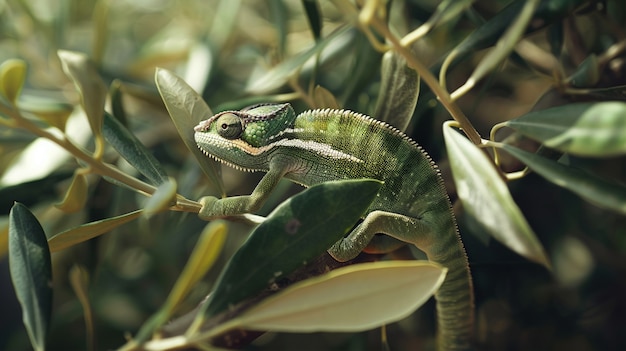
238,137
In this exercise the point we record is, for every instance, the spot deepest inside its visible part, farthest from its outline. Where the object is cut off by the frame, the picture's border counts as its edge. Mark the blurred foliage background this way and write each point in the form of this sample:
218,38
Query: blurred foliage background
235,53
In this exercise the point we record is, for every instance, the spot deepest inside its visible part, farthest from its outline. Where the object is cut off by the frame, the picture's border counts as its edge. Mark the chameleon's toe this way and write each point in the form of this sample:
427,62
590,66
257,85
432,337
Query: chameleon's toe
208,207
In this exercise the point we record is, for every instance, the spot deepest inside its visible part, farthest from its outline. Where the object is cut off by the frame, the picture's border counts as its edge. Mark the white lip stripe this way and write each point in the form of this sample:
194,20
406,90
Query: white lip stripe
310,145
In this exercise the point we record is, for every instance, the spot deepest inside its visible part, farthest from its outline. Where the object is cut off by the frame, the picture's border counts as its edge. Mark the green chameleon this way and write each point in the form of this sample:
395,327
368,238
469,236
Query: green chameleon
317,146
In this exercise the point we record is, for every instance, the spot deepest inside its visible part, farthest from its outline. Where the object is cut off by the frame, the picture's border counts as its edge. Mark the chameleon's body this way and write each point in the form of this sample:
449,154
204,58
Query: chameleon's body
322,145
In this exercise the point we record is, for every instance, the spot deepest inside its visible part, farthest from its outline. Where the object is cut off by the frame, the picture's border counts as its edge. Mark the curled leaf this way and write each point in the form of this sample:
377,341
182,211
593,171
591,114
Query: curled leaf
76,195
12,76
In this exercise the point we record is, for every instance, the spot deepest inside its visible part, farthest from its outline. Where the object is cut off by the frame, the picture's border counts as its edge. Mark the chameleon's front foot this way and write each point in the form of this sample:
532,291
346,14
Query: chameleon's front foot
210,209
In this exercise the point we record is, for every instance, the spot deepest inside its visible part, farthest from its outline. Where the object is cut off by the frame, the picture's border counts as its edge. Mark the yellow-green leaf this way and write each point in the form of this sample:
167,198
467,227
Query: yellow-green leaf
87,231
204,254
12,75
348,299
76,195
486,197
79,279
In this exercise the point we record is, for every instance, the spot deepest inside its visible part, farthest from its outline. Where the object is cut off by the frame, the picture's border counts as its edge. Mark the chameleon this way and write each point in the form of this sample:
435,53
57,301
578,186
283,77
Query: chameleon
321,145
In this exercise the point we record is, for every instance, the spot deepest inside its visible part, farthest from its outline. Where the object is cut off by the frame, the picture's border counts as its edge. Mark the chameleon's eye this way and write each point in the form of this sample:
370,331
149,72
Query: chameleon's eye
229,126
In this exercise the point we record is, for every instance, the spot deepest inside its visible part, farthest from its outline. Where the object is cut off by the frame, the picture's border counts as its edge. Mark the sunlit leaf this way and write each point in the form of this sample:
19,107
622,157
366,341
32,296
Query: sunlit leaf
591,188
163,198
399,89
132,150
76,195
296,232
88,231
88,84
204,254
345,300
586,129
486,197
12,75
31,273
187,109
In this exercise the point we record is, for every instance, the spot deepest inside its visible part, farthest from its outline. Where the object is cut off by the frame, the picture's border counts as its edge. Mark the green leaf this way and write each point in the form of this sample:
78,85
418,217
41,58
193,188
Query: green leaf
132,150
348,299
31,272
486,197
585,129
76,195
279,74
187,109
296,232
12,76
163,198
87,231
280,16
89,85
397,97
591,188
313,14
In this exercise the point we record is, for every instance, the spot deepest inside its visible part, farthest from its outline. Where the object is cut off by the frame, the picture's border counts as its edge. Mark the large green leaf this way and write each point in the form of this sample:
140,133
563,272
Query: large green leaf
132,150
591,188
486,197
586,129
31,272
296,232
187,109
346,300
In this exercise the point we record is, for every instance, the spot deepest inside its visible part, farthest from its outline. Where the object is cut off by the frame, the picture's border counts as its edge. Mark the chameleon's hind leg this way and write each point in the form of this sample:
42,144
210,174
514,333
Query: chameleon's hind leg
441,243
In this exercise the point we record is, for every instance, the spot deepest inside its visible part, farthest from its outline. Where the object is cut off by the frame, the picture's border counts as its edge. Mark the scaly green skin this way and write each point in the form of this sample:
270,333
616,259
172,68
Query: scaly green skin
322,145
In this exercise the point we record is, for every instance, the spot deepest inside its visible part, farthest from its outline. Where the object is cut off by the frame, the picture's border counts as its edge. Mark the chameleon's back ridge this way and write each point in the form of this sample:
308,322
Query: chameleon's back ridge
323,145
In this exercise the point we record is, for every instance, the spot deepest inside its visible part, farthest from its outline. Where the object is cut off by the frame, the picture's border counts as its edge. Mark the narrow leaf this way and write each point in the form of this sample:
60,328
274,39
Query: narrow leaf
279,74
486,197
399,89
132,150
88,84
12,76
163,198
296,232
204,254
187,109
585,129
31,272
313,14
76,195
87,231
79,279
591,188
346,300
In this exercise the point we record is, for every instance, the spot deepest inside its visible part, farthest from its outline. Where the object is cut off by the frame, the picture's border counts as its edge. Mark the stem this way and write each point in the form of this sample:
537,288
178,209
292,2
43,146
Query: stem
96,164
430,80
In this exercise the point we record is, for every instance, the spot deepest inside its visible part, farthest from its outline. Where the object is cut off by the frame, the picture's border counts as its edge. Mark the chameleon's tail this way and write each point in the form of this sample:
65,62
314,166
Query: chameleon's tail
455,298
